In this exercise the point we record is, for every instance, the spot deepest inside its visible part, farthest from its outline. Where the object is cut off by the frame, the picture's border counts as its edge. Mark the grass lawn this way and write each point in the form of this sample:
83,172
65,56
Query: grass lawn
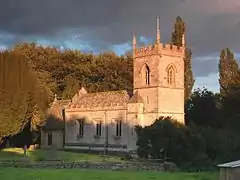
63,174
14,154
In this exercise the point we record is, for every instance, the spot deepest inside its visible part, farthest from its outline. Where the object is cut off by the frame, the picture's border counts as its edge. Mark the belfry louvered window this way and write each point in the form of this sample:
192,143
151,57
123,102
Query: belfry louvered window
147,75
171,75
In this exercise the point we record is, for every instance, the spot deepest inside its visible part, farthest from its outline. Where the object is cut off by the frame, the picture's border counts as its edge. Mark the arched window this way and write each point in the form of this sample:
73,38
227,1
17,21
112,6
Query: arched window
80,126
147,75
171,75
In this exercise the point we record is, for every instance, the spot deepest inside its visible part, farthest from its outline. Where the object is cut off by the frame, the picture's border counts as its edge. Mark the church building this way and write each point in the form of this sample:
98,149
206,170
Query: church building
107,120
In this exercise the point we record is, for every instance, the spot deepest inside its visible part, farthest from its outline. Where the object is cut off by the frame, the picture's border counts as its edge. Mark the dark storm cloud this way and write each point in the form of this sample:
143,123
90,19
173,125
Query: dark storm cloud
211,25
47,16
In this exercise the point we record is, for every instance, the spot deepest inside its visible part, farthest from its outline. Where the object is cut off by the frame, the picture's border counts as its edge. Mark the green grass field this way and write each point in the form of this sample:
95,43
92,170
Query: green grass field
63,174
15,154
57,174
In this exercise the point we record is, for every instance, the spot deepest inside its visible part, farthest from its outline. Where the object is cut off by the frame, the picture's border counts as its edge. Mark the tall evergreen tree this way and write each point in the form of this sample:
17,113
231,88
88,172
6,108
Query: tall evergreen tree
179,30
71,88
228,69
229,80
21,98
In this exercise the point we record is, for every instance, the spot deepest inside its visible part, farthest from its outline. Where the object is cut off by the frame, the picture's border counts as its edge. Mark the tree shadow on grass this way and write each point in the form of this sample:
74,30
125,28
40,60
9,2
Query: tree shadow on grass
17,155
12,154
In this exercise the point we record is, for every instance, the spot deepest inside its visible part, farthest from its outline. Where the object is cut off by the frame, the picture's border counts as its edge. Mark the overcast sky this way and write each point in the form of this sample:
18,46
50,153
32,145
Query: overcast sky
98,25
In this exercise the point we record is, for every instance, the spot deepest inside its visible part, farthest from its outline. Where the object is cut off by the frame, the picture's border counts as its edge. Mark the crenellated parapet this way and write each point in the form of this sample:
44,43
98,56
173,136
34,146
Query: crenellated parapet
169,49
159,49
145,51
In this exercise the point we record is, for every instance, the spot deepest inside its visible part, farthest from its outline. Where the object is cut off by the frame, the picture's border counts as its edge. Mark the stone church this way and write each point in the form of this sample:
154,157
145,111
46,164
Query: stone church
107,120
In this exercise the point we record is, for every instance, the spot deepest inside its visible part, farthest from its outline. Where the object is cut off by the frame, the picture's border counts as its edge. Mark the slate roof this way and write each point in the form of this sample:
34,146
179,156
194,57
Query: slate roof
232,164
54,120
83,100
102,99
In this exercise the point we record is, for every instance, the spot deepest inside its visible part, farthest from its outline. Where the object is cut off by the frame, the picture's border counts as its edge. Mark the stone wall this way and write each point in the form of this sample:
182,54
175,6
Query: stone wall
57,139
135,166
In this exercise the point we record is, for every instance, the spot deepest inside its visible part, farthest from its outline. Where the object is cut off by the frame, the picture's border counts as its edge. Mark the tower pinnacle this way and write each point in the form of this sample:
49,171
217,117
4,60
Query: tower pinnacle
183,40
134,43
55,97
158,30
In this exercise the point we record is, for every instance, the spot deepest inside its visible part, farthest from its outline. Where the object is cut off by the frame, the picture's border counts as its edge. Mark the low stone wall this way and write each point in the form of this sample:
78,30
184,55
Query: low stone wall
136,166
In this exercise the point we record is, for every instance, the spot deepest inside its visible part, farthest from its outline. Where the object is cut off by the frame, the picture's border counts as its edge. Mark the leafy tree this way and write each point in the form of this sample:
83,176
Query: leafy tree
179,142
102,72
230,105
177,34
228,69
204,109
222,144
40,60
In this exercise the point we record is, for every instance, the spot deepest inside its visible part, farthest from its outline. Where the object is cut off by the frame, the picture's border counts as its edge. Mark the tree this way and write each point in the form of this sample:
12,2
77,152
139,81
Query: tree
178,142
177,34
71,88
40,59
230,104
222,144
204,109
228,69
103,72
229,80
179,30
21,98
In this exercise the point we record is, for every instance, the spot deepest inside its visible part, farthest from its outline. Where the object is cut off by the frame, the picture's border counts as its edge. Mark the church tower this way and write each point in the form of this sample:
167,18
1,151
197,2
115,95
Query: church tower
159,78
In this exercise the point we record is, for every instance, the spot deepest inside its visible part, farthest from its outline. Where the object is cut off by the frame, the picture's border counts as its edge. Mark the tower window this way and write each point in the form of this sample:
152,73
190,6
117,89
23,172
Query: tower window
147,75
171,75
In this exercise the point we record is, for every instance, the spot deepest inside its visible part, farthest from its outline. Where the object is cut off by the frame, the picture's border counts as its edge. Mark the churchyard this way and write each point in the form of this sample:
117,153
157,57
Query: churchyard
57,174
62,165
